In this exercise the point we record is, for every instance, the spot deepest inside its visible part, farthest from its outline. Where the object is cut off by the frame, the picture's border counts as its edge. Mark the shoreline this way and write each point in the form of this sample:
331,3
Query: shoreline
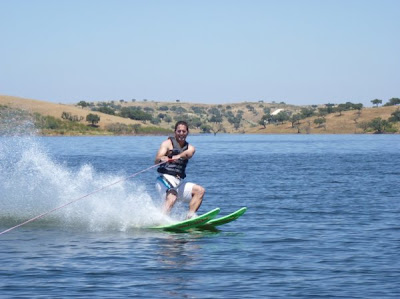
340,122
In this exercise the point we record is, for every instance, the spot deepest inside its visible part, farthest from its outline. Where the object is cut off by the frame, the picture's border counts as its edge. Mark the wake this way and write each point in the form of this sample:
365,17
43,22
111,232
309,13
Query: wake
32,184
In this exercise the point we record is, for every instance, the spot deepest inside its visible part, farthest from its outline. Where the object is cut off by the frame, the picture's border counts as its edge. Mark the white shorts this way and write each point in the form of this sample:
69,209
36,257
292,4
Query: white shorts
165,182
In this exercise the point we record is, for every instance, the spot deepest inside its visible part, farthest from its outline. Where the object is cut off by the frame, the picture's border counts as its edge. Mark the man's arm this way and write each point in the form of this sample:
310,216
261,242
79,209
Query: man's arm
186,154
162,152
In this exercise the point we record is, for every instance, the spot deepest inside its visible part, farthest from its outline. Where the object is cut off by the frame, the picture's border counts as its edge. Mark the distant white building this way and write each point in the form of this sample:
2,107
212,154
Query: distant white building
277,111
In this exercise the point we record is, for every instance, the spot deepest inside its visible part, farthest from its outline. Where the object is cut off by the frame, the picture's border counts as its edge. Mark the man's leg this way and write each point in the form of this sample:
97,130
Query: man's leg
169,201
197,198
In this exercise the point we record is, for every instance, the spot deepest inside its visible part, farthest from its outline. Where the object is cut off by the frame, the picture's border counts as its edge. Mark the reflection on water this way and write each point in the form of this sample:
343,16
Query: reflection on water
177,252
178,255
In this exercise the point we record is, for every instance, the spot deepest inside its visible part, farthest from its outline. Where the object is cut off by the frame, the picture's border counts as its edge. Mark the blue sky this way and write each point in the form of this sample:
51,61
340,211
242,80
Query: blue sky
299,52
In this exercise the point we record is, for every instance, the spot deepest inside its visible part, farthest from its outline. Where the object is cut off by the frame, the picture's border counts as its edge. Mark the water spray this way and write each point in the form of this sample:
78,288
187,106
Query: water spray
80,198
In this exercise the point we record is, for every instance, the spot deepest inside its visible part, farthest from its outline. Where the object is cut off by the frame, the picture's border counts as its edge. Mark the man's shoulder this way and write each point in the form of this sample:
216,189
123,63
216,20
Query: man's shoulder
166,142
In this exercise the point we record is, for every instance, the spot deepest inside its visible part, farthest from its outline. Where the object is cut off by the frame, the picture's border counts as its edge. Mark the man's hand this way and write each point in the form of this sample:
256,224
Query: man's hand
176,157
164,159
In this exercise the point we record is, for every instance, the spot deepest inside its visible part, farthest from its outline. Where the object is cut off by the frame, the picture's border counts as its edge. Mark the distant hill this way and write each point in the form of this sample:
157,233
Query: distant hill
346,122
56,110
230,118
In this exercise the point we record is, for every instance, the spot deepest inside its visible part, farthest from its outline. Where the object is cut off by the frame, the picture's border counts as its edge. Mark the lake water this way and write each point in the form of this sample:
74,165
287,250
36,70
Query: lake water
323,218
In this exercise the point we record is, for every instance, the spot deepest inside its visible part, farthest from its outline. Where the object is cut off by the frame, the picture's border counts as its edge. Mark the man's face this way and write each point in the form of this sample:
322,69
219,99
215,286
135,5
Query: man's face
181,133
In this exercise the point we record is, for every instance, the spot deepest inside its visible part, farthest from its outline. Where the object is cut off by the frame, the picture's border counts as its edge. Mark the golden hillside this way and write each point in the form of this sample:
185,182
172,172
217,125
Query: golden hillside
347,122
56,110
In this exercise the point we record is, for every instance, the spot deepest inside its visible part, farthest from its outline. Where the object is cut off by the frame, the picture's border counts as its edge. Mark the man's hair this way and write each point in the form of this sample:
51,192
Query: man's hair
182,122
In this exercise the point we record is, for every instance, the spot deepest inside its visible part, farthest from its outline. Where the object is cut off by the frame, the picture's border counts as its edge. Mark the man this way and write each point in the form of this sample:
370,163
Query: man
176,152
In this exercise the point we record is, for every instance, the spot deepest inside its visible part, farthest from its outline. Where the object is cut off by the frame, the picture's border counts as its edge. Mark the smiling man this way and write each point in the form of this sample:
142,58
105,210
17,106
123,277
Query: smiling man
176,152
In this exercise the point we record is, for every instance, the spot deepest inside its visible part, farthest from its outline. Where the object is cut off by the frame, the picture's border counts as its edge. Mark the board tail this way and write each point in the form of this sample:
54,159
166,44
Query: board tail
211,224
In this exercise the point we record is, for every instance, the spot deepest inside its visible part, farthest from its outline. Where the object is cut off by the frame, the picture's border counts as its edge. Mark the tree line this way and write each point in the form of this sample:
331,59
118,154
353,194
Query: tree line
210,119
377,125
391,102
206,120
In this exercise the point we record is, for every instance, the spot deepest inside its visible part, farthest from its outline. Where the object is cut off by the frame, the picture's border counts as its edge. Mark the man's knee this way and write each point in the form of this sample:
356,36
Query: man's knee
171,199
199,190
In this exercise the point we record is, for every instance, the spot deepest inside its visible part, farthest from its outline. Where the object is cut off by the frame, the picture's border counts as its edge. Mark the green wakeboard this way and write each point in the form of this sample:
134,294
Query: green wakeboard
222,220
189,223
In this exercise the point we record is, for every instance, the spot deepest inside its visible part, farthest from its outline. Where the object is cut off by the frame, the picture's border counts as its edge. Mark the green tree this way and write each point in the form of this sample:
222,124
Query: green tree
235,121
329,107
163,108
83,104
155,121
205,128
249,107
295,119
93,119
322,111
265,119
214,111
395,116
306,112
216,119
393,102
340,108
215,128
105,109
180,110
280,117
47,122
320,121
198,110
196,122
364,125
380,125
236,124
350,106
229,114
376,102
135,113
161,115
168,119
267,110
